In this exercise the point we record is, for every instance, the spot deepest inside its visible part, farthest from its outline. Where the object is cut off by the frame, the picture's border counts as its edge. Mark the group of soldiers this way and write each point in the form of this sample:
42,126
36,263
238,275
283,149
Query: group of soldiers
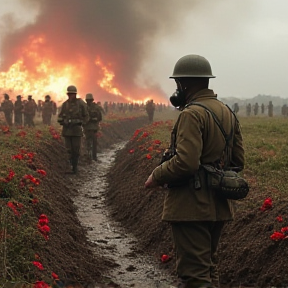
255,108
24,111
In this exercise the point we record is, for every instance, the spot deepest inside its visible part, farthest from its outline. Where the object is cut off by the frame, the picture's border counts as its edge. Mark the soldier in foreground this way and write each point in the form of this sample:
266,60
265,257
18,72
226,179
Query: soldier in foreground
48,109
18,111
7,107
72,116
196,213
92,126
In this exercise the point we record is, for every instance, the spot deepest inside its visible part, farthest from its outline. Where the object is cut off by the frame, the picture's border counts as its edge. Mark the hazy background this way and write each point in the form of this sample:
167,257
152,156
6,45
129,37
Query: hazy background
246,41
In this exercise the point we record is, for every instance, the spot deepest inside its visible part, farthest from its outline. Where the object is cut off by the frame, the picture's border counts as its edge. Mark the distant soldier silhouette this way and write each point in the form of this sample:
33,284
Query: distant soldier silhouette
262,108
30,108
7,107
92,126
48,109
270,109
284,110
150,109
236,108
248,109
18,111
256,109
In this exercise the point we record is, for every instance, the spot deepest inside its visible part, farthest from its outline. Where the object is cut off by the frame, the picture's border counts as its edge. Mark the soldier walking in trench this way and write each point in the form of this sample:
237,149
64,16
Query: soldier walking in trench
72,116
92,126
30,108
150,109
48,109
7,107
18,111
196,214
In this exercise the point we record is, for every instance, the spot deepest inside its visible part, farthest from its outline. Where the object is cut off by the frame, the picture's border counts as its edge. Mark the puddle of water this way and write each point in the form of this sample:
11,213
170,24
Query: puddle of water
115,243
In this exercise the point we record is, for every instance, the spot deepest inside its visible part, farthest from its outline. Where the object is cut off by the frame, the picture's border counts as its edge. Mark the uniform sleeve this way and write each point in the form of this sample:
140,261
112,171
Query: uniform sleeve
189,146
85,113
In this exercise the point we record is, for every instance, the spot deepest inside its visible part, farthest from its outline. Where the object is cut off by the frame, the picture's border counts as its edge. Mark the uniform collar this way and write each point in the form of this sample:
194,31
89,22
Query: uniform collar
204,93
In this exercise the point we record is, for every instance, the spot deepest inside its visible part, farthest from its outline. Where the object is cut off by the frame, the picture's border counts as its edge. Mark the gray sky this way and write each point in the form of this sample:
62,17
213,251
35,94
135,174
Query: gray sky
246,41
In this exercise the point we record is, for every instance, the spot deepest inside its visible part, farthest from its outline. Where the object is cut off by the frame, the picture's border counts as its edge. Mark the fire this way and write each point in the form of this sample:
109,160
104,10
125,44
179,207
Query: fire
106,82
38,72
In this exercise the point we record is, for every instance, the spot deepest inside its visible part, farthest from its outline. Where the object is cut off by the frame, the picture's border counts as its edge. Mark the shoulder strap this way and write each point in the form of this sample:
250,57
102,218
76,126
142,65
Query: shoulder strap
227,137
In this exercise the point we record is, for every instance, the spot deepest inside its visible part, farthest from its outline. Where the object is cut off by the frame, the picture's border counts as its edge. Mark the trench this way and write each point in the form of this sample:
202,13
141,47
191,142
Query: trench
131,270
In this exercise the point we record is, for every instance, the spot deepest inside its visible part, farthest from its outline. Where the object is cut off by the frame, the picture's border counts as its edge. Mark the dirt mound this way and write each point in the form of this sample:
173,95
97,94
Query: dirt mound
247,254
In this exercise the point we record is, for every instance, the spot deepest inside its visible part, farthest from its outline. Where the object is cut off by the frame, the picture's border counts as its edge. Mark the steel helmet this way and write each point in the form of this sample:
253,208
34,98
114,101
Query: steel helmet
89,96
72,89
192,66
48,96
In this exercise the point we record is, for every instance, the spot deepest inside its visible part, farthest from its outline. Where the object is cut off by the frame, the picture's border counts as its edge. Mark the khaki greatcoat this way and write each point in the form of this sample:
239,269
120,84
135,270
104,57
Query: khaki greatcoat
198,140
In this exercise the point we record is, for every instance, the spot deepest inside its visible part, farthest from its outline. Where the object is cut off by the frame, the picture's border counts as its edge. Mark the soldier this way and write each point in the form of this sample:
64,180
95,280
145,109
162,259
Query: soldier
49,108
256,109
195,212
248,109
30,108
236,108
18,111
92,126
284,110
106,107
7,107
72,116
270,109
262,108
150,109
101,108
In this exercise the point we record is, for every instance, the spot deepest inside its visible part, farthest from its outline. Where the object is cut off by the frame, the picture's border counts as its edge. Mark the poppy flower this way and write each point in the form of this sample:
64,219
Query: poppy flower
267,204
277,236
41,284
55,276
148,156
131,151
42,172
165,258
38,265
279,218
284,230
43,221
157,142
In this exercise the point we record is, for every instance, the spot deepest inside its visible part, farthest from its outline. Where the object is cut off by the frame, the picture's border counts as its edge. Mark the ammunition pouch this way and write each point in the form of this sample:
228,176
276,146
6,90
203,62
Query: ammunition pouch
226,184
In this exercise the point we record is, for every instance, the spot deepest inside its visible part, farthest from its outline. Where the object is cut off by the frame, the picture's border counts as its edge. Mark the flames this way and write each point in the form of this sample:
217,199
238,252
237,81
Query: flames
37,72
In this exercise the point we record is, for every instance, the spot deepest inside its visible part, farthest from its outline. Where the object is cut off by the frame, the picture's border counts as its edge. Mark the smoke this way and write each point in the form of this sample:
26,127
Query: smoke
78,32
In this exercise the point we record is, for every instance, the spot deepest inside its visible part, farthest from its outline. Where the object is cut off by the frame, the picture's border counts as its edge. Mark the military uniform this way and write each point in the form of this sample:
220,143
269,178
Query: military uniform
7,107
72,115
196,214
92,127
30,108
48,109
18,111
150,109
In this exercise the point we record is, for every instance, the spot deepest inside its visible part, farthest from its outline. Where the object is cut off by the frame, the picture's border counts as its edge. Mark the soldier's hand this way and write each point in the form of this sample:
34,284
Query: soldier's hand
150,183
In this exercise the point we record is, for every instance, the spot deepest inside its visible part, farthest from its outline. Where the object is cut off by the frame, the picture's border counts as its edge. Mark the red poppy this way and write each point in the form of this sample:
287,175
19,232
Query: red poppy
284,230
267,204
148,156
131,151
38,265
45,229
279,218
158,142
35,201
55,276
41,284
43,221
14,208
165,258
150,148
145,134
42,172
18,156
277,236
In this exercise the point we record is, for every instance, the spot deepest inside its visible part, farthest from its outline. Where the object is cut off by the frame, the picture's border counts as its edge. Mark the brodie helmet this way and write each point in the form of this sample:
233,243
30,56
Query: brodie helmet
6,96
192,66
71,89
89,96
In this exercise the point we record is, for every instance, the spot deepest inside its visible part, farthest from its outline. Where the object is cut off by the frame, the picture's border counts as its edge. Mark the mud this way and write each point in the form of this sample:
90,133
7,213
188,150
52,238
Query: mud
132,269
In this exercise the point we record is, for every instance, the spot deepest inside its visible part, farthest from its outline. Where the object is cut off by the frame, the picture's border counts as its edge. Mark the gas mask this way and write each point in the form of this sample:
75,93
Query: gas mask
178,98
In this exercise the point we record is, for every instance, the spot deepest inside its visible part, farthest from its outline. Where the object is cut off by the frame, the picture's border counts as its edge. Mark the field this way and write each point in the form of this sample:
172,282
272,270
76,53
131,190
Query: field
246,243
